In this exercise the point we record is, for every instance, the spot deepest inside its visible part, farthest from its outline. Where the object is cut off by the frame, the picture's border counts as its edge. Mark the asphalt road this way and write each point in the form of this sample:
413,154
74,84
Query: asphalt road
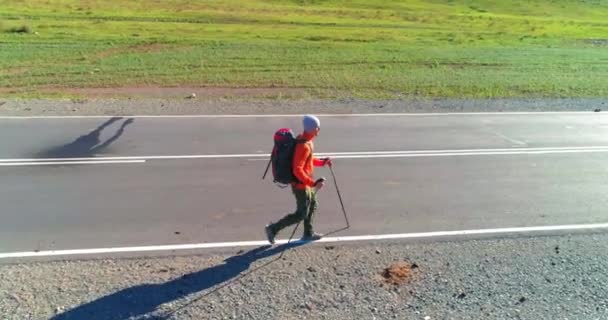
178,199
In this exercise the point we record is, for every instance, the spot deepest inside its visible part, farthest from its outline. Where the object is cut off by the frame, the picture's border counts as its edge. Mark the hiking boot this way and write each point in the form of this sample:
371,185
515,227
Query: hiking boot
269,234
312,236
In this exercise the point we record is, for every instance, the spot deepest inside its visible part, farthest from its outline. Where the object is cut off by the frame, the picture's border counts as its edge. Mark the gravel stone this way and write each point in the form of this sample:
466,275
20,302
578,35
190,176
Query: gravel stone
208,105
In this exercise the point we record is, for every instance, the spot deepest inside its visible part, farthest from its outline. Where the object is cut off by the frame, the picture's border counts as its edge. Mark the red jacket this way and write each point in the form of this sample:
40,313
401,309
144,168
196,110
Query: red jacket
304,162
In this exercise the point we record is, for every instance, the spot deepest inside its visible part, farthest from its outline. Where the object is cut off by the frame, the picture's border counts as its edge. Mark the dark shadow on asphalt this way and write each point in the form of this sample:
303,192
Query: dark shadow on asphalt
87,145
141,300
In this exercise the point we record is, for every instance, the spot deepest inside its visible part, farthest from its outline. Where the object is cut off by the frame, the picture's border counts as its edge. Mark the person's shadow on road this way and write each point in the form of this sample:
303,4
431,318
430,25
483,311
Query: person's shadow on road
87,145
141,300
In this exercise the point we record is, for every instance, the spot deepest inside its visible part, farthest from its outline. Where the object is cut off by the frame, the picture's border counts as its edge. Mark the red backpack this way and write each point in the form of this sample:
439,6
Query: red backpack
281,157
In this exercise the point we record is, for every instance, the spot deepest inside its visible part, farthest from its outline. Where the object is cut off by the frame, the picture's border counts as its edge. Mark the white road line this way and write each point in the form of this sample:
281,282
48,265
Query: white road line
451,154
55,163
125,158
283,241
432,114
341,155
467,154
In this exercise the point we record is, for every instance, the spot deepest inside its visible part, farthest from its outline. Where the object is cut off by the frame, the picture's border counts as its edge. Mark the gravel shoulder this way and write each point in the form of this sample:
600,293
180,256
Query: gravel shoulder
541,277
205,105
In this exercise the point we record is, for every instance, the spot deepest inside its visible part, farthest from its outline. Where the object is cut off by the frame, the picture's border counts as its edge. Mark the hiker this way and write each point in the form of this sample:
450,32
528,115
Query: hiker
305,188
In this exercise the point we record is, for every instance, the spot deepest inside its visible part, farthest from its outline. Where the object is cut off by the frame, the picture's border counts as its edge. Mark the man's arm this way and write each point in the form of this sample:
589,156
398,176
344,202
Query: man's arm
320,162
299,160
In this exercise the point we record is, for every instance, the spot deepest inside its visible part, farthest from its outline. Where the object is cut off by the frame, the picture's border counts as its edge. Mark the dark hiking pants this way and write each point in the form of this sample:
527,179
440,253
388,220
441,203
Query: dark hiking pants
306,201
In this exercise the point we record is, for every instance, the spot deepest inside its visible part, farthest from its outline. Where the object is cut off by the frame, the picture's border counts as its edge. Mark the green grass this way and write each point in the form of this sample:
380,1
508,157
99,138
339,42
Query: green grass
358,48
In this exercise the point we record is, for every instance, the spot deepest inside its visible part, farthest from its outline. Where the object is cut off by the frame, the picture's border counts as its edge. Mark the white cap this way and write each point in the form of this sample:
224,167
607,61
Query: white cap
310,123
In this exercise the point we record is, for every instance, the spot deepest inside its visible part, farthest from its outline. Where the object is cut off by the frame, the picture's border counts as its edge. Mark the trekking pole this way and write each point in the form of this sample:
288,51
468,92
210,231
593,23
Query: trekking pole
294,232
288,241
339,197
267,167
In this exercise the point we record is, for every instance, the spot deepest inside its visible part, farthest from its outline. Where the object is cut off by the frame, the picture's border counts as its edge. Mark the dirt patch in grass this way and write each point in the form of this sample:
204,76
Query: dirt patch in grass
597,42
174,92
14,71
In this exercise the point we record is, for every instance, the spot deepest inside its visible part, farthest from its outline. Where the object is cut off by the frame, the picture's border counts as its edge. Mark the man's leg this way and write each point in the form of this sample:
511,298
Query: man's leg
302,204
312,209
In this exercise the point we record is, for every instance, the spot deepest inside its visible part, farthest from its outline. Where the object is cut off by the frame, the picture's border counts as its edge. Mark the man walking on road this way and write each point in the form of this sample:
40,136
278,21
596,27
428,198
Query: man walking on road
305,189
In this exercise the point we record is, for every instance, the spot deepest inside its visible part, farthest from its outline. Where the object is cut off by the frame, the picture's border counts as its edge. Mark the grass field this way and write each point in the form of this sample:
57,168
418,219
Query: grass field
333,48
